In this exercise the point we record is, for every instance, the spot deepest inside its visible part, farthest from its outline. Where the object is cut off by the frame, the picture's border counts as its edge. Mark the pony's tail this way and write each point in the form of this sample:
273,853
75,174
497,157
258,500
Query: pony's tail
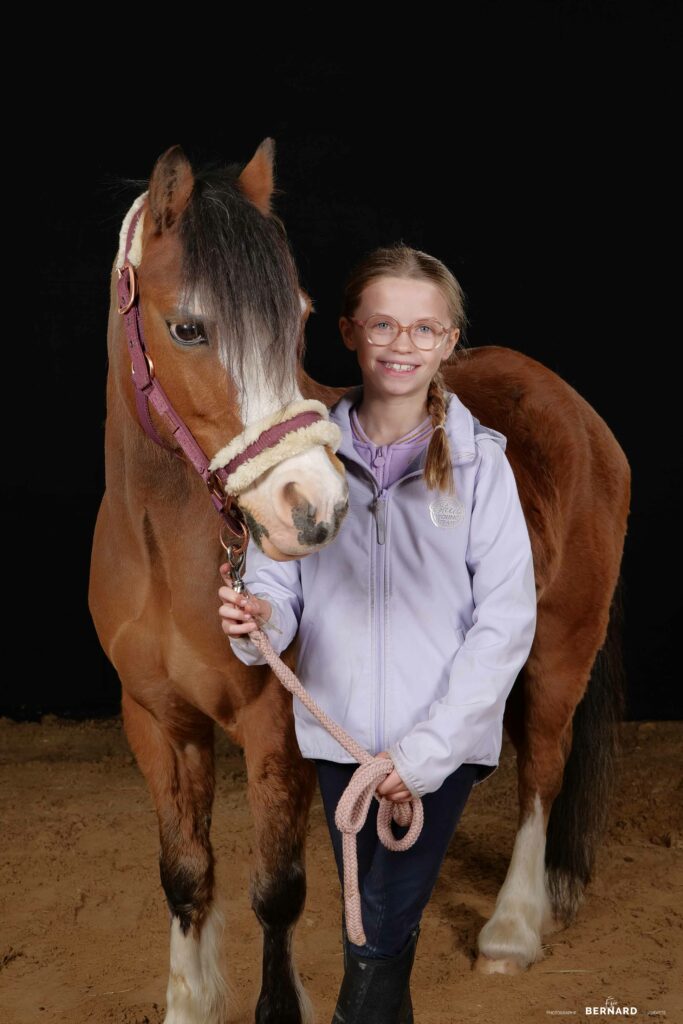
578,817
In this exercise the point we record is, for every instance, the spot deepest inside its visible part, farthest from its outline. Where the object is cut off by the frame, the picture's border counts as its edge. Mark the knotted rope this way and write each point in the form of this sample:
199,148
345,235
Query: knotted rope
354,803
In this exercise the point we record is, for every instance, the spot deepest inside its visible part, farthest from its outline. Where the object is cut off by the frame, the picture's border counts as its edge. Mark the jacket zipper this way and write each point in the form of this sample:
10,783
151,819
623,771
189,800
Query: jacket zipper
379,509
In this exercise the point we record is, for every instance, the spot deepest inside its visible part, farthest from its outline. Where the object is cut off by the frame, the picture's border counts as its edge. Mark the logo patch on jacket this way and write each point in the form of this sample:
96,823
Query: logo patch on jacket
447,512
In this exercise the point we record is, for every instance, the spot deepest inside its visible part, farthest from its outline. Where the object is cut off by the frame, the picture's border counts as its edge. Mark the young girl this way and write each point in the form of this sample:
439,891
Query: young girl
414,623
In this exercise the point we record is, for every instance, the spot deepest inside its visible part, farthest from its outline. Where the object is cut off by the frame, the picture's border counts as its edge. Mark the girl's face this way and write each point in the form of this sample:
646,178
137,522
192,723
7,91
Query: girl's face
406,300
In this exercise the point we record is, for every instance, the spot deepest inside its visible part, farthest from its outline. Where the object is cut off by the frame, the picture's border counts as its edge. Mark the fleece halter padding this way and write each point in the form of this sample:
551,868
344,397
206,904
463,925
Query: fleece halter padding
257,449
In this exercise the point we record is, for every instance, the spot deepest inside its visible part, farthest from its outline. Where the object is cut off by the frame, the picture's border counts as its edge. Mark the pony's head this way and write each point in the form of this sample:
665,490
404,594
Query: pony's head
223,316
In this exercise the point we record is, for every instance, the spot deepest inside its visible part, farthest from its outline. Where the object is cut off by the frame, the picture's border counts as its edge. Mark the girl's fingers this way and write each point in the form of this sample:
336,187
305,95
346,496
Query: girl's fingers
238,600
228,594
237,611
236,621
242,600
228,611
235,628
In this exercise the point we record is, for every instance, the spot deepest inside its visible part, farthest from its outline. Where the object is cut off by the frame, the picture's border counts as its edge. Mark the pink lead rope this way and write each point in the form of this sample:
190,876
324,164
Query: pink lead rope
353,806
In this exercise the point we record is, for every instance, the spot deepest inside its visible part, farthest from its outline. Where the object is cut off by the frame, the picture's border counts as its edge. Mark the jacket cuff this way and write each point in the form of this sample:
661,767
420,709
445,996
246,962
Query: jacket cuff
415,785
274,624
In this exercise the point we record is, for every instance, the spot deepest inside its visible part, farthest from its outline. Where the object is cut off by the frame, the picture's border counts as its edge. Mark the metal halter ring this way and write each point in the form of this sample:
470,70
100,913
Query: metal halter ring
239,548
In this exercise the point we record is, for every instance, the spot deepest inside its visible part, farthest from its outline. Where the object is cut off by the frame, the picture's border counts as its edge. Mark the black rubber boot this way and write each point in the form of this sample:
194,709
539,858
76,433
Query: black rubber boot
406,1012
376,991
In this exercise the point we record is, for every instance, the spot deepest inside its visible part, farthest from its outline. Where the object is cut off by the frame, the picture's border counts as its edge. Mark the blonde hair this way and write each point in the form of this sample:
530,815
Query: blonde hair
401,260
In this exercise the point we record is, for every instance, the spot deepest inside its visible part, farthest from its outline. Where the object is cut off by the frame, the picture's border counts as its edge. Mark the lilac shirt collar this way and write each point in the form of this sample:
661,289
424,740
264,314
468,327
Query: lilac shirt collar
389,462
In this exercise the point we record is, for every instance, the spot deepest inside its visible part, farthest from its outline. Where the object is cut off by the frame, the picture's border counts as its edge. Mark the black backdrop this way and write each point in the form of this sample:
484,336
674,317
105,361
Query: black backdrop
530,148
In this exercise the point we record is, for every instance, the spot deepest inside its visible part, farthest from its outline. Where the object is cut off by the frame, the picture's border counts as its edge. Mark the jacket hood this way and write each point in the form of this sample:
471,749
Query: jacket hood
461,426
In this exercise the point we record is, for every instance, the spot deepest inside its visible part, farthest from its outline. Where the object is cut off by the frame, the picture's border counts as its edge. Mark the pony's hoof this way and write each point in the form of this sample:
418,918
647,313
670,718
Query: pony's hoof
507,965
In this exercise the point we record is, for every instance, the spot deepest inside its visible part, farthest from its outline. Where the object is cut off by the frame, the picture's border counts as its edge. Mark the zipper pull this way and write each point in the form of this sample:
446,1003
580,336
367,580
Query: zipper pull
379,508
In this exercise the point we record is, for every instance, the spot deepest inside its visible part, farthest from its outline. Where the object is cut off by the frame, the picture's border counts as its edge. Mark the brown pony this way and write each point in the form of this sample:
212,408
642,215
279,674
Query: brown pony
223,317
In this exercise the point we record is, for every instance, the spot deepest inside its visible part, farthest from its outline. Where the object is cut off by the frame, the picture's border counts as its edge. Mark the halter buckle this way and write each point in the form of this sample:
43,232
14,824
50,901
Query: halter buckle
150,365
131,284
216,487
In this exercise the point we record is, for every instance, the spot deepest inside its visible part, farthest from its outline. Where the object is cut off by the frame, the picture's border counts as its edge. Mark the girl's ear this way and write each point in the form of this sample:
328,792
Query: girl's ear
452,342
346,329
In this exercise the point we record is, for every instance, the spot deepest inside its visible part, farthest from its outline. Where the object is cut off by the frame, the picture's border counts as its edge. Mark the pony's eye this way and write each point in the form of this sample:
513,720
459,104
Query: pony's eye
189,332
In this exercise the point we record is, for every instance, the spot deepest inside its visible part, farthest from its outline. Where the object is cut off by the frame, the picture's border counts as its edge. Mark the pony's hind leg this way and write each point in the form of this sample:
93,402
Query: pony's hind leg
511,939
564,722
177,762
280,790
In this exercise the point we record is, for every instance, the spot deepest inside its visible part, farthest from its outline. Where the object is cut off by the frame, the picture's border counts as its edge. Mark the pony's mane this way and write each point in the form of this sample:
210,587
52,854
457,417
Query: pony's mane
238,269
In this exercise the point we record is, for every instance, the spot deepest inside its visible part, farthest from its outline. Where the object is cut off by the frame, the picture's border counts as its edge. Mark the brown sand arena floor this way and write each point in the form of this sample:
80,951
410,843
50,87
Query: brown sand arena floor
85,927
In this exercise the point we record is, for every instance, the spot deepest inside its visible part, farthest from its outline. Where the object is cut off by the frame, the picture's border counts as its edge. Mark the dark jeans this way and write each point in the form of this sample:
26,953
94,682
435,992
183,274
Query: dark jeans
395,886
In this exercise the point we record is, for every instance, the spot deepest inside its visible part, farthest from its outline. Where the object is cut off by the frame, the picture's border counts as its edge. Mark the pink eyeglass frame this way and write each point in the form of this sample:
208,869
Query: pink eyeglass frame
403,327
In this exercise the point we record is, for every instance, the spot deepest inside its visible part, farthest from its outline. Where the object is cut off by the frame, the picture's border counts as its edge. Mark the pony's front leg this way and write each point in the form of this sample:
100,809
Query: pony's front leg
177,761
280,789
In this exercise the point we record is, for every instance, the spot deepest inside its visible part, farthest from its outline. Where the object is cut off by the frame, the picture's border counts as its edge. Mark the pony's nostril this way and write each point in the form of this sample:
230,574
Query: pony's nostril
317,534
304,520
293,494
315,522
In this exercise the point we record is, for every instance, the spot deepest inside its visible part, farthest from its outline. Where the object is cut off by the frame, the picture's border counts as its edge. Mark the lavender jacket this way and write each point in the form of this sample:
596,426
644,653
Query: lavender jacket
414,623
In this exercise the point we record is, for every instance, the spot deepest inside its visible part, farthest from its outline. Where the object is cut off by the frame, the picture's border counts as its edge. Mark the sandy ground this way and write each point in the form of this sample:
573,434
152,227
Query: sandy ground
85,926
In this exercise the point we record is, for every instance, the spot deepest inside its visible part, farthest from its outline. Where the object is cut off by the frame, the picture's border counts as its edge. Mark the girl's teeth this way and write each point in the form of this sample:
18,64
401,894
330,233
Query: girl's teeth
399,366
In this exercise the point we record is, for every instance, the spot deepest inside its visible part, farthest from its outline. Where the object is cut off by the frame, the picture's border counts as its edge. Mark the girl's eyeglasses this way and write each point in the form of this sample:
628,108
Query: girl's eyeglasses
381,330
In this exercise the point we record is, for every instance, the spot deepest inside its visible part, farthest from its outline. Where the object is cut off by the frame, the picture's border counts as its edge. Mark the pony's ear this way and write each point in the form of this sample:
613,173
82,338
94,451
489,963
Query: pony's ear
170,188
306,303
256,180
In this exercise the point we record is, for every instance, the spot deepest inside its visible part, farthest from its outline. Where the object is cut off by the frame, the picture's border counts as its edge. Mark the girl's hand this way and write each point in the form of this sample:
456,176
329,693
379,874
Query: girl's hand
239,612
393,787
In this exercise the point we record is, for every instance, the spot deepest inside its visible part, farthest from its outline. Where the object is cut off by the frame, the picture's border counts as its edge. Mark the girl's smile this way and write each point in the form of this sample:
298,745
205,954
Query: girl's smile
398,368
